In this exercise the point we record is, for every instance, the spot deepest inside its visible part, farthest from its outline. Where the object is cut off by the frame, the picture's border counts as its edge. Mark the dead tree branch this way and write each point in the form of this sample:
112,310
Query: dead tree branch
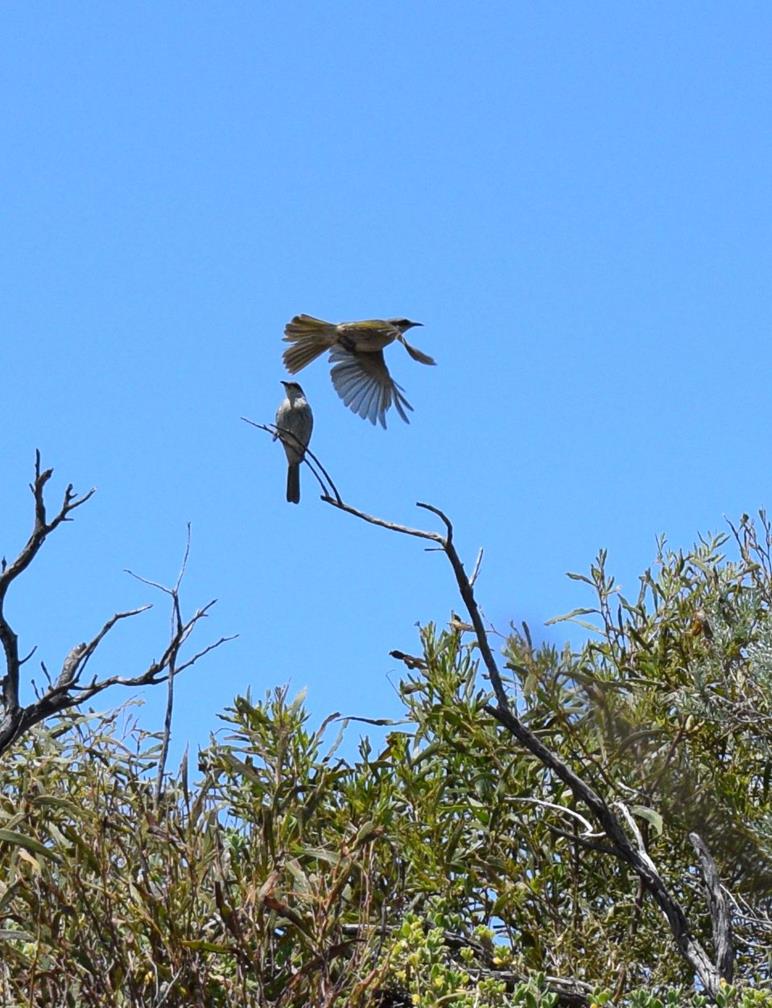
69,688
175,630
322,477
632,853
41,529
720,912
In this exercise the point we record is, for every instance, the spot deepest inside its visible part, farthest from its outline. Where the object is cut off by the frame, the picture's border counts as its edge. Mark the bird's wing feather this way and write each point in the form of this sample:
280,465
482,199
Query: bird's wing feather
364,384
415,353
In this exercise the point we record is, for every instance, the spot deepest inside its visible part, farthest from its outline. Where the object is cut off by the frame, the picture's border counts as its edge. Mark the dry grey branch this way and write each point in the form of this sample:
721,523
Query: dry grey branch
10,571
308,457
68,689
720,911
635,855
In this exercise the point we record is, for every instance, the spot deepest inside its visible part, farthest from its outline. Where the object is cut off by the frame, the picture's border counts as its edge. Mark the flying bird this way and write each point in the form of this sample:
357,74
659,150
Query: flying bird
359,372
294,423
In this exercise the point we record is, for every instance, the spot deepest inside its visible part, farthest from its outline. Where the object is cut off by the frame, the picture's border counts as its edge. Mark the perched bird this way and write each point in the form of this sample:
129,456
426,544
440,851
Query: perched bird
410,660
359,372
294,423
456,623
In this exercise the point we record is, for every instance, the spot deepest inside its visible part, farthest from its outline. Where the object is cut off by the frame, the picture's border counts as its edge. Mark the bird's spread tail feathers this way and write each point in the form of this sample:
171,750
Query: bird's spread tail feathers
310,337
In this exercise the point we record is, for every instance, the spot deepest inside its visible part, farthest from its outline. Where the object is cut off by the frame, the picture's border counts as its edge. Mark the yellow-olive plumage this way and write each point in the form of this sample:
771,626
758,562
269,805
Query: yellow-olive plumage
359,371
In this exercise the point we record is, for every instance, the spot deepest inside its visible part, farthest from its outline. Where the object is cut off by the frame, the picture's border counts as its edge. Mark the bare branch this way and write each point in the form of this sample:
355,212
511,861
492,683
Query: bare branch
68,690
476,568
147,581
720,912
577,838
378,722
10,571
66,694
565,811
184,564
87,650
442,516
382,523
205,651
69,671
275,431
176,630
42,527
29,654
635,856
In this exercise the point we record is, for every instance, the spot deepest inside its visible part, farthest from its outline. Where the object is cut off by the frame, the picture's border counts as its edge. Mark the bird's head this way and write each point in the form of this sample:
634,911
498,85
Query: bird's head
292,388
403,324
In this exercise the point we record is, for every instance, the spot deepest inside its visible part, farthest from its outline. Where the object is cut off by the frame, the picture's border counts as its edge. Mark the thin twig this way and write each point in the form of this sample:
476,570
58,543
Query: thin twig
285,433
176,629
205,651
577,838
382,523
476,568
567,811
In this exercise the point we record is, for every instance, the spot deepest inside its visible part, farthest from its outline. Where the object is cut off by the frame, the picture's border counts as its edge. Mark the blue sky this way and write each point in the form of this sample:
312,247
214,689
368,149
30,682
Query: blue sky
573,198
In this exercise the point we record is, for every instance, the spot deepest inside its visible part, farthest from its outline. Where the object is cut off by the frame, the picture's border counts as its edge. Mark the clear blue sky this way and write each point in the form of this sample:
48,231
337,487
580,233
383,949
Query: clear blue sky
573,198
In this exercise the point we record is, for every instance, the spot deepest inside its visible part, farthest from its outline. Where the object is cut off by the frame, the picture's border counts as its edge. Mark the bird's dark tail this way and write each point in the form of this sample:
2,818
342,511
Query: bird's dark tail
293,482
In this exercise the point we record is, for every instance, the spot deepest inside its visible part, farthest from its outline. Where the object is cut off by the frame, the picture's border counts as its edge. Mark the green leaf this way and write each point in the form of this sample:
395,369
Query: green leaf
28,843
8,934
331,857
199,945
54,801
582,611
650,815
579,577
366,833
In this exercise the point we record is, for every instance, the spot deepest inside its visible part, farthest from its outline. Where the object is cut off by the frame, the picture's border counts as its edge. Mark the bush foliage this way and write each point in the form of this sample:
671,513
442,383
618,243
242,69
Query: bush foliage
449,867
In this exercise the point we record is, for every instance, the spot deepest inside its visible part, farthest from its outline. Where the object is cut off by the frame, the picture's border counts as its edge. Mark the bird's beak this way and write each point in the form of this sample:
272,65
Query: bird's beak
414,324
284,383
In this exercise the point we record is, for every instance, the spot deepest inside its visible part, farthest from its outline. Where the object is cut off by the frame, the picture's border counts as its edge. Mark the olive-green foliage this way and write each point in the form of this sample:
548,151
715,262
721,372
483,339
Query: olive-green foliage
670,706
449,868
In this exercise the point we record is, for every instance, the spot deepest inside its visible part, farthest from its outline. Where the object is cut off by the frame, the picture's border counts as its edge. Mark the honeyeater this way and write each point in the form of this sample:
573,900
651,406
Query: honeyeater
294,423
359,371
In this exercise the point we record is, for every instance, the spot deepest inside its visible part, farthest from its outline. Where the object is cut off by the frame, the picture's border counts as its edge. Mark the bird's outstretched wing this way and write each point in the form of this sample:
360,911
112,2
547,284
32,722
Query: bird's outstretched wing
364,384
